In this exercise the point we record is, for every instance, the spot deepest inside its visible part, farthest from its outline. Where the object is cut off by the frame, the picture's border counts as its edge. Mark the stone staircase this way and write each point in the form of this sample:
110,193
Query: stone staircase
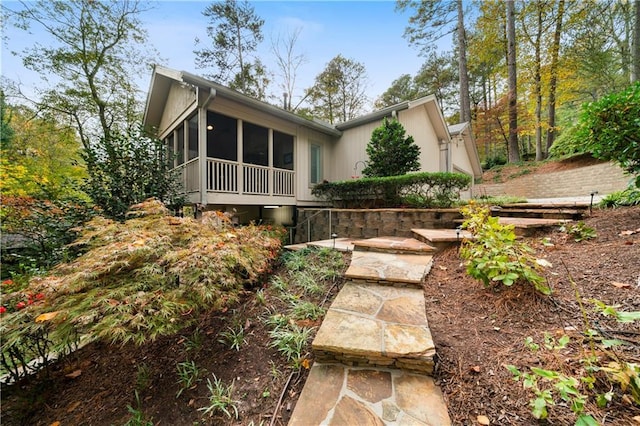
374,351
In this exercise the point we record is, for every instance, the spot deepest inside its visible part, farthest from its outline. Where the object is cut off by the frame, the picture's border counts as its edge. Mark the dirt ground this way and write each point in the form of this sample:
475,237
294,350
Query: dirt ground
476,331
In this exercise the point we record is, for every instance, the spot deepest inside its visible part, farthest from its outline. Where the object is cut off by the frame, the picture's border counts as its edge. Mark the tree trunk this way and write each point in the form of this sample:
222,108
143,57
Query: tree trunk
553,81
512,146
538,86
465,101
635,68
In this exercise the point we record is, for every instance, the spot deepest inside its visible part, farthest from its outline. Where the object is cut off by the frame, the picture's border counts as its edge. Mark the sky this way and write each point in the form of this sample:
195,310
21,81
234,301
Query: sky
370,32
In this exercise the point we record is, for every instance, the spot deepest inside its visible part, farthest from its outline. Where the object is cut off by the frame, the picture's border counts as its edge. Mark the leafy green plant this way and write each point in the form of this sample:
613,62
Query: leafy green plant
390,152
143,377
579,231
494,255
188,375
232,337
195,341
306,310
627,197
137,416
261,297
220,399
291,341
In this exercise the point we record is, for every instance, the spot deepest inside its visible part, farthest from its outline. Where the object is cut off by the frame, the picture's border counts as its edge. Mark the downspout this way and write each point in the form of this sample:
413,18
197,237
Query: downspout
202,140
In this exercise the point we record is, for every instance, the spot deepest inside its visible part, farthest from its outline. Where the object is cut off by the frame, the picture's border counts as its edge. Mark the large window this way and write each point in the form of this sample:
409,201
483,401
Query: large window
180,144
282,151
316,164
222,137
170,149
255,144
193,137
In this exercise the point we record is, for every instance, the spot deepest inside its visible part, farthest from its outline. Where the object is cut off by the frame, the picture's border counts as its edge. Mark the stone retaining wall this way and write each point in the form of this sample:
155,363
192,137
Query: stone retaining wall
604,178
370,223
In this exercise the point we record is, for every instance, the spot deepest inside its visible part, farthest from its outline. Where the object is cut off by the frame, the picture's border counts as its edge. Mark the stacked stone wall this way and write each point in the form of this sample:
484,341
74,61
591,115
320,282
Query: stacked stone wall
604,178
370,223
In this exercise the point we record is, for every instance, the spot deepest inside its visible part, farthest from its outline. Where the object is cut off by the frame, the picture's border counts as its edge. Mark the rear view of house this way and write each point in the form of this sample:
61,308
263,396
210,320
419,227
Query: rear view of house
235,153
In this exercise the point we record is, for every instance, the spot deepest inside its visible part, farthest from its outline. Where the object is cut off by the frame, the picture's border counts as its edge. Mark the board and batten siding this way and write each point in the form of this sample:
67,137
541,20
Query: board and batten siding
307,137
460,157
181,102
417,124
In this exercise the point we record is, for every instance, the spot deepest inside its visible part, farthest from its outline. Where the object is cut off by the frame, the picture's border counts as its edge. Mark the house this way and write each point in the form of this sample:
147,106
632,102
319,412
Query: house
238,154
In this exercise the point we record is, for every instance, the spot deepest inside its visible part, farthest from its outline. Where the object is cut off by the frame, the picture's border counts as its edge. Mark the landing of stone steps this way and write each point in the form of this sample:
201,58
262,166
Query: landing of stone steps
376,325
343,396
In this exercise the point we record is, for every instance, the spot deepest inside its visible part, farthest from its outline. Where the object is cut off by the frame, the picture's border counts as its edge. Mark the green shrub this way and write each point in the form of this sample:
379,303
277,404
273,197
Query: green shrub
493,161
494,255
423,190
390,152
610,130
627,197
579,231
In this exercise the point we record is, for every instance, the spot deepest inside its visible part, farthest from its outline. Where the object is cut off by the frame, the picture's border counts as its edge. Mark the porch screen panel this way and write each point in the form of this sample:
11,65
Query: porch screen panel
170,150
255,144
193,137
282,151
222,137
180,144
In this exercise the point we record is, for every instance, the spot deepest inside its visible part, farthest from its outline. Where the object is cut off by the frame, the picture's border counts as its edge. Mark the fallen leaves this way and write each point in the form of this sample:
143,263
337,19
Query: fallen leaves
47,316
483,420
75,374
620,285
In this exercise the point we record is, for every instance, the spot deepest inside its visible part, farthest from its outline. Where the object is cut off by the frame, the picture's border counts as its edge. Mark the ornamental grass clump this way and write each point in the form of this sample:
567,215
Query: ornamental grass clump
494,255
149,276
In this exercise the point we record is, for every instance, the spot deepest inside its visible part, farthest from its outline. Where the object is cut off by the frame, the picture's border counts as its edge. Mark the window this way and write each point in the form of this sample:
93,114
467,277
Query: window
170,149
222,137
255,144
282,151
316,164
180,143
193,137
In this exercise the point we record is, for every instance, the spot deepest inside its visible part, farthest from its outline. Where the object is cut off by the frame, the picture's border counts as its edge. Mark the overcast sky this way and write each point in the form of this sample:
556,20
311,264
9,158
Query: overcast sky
369,32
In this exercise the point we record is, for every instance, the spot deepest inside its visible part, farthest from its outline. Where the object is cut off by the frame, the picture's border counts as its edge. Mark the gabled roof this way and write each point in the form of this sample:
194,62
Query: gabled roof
430,103
464,130
163,78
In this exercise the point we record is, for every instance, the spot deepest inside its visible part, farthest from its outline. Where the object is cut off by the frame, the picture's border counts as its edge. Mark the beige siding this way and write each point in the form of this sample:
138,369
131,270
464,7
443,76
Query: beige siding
417,124
461,162
235,110
351,148
180,102
305,138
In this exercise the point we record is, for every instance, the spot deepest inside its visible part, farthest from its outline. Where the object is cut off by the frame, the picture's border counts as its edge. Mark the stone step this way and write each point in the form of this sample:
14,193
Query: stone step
560,213
389,268
396,245
376,325
339,395
441,238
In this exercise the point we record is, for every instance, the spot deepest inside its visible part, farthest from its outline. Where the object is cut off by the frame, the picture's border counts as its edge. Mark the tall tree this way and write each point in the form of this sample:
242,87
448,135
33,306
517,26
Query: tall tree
339,91
235,32
288,60
401,89
553,71
635,75
433,20
513,148
95,46
438,76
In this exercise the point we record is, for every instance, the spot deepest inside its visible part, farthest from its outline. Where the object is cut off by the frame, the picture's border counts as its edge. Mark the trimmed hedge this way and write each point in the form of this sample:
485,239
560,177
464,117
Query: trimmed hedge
417,190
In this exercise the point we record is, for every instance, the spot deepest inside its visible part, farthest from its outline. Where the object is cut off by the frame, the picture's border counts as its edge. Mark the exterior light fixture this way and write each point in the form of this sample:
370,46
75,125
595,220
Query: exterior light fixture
333,237
210,127
271,207
591,203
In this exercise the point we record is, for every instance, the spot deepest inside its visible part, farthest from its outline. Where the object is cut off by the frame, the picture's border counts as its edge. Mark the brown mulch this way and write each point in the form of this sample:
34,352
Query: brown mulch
476,331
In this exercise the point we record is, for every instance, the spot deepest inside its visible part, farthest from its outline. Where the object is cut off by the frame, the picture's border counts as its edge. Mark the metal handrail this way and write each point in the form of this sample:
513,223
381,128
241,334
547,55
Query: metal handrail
308,222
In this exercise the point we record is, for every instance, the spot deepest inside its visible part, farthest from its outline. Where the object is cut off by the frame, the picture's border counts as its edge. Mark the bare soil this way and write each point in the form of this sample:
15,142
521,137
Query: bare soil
476,331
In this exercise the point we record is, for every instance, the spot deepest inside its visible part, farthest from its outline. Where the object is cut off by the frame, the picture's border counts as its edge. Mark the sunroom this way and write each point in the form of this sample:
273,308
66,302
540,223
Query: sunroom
231,150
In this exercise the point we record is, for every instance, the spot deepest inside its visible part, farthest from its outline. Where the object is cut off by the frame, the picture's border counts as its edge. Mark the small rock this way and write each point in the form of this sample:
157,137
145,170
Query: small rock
483,420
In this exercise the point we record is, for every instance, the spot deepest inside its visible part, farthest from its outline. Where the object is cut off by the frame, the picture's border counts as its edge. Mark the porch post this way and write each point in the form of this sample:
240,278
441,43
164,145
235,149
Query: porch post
240,149
271,174
202,153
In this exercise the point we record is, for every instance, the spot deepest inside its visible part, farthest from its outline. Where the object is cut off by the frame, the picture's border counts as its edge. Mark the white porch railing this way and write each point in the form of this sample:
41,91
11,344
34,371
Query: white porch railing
256,180
189,175
283,182
222,176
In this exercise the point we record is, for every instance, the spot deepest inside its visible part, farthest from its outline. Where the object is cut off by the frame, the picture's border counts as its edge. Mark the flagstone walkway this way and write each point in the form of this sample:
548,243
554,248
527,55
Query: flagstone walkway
374,351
